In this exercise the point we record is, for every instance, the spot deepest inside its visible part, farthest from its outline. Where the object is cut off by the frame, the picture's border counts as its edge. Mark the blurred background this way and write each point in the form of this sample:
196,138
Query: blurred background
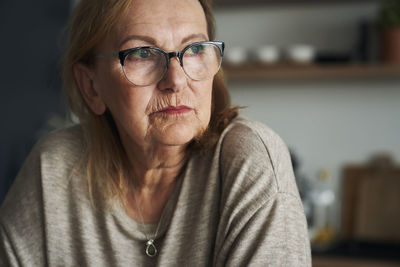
325,75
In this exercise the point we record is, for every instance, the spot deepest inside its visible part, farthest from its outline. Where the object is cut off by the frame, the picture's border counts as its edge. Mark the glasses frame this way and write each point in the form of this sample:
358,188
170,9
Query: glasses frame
168,55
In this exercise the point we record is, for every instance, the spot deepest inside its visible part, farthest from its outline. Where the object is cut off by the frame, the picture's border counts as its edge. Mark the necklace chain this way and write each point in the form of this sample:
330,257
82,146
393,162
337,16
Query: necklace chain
151,249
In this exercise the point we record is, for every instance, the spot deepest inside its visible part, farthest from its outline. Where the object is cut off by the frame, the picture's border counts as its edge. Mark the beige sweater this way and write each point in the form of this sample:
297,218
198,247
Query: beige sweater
235,205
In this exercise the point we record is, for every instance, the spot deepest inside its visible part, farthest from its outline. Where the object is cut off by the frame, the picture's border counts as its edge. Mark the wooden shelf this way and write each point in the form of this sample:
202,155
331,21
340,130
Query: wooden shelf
241,3
253,72
350,262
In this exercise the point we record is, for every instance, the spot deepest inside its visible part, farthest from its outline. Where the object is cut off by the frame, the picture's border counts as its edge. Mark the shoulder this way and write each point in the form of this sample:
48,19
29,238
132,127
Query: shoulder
253,151
40,183
251,136
48,163
57,152
66,140
258,195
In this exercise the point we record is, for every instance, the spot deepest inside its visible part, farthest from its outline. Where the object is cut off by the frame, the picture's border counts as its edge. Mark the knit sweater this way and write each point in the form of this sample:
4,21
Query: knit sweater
236,204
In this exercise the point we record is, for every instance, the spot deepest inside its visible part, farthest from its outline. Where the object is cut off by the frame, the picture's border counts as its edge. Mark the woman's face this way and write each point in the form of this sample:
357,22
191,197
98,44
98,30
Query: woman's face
172,111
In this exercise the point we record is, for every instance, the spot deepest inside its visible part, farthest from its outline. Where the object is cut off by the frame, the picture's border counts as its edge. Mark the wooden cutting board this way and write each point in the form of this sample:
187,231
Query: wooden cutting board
371,203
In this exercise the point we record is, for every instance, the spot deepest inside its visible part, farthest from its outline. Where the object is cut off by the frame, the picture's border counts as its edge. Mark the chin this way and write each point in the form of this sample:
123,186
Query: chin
175,135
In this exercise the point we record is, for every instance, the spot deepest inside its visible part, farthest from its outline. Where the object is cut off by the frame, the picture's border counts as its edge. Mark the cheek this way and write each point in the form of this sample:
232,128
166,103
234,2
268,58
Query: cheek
119,94
204,97
109,82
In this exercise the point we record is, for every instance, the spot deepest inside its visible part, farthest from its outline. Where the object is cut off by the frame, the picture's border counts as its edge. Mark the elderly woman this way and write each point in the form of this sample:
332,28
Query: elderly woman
160,171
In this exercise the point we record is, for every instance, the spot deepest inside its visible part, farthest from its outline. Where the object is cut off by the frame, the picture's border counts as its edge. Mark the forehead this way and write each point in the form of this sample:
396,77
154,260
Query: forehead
165,21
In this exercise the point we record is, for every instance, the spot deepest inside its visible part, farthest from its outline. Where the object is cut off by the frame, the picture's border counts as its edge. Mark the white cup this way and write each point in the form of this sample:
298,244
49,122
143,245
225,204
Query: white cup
301,53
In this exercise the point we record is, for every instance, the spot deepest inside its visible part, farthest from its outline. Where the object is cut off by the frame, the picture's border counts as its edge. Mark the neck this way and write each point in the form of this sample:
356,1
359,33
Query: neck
155,169
155,172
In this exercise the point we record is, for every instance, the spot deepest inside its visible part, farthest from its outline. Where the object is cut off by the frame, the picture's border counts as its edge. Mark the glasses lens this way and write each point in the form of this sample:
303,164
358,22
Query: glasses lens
201,61
144,66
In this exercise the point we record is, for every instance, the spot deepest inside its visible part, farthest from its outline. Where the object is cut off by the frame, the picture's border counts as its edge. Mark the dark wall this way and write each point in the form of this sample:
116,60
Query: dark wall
32,40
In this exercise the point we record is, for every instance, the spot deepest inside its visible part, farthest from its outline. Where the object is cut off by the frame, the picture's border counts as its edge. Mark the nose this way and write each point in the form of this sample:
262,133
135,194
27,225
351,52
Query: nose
175,78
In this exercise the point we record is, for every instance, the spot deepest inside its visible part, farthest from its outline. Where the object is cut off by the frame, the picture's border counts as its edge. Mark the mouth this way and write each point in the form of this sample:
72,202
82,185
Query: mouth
175,110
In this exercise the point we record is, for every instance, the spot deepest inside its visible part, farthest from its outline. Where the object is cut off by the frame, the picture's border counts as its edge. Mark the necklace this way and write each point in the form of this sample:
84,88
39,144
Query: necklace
151,249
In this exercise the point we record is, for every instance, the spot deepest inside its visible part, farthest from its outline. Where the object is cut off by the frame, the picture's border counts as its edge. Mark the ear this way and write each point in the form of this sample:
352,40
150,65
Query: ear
84,79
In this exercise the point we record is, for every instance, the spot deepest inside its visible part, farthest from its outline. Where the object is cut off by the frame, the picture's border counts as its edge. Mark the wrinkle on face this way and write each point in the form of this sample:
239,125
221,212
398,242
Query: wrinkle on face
161,121
161,101
135,108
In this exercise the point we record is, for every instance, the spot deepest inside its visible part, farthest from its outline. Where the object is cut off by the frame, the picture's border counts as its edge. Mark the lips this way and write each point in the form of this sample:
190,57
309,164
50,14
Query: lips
173,110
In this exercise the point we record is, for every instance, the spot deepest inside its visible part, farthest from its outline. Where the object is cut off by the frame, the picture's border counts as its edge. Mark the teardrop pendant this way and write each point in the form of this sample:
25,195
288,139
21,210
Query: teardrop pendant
151,249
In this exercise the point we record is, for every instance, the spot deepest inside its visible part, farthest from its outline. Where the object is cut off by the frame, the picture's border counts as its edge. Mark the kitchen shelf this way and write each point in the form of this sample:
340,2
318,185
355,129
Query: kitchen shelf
241,3
253,72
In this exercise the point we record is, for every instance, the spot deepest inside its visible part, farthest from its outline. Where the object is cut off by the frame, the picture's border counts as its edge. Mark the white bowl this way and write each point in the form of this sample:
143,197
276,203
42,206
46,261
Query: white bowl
235,55
267,54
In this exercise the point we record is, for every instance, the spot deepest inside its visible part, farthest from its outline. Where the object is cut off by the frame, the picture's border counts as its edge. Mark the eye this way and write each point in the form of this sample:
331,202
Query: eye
196,49
141,53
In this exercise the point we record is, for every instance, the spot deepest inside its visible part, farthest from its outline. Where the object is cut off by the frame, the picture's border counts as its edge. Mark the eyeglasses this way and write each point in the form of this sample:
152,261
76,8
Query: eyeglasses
147,65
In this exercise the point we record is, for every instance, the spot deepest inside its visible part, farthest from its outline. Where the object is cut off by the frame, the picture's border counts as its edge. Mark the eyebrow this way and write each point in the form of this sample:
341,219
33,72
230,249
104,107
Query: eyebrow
147,39
194,36
152,41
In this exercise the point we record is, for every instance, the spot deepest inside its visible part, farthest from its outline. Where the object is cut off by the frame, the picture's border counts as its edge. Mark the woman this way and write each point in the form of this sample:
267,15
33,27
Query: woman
160,171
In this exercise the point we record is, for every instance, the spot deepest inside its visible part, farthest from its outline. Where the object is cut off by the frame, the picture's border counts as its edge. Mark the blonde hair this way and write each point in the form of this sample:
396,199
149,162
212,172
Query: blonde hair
105,160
